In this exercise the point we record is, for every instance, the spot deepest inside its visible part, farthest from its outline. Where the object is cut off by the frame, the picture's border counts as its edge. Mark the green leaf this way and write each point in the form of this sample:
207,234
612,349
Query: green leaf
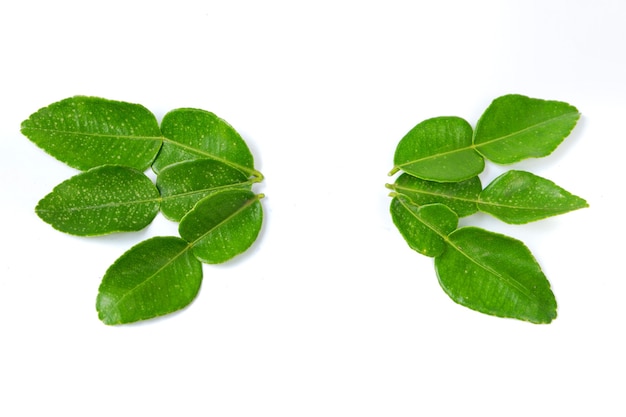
461,196
518,197
182,185
516,127
496,275
439,149
199,134
424,228
102,200
223,225
86,132
156,277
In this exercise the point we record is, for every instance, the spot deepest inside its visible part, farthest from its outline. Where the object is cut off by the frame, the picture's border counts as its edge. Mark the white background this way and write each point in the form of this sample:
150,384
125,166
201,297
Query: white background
330,314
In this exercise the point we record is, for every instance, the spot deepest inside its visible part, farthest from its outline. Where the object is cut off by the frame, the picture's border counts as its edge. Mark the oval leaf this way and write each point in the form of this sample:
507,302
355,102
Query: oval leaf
439,149
102,200
516,127
223,225
183,185
86,132
518,197
496,275
156,277
199,134
461,197
424,228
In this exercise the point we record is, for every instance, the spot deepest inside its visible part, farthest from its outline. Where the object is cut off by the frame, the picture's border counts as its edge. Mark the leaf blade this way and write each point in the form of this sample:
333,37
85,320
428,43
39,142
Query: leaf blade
461,196
496,275
223,225
155,277
518,197
182,185
199,134
424,228
439,149
86,132
515,127
99,201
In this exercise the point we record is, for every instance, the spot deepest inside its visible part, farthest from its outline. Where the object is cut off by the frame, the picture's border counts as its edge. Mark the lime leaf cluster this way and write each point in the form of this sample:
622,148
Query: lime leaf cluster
204,178
441,159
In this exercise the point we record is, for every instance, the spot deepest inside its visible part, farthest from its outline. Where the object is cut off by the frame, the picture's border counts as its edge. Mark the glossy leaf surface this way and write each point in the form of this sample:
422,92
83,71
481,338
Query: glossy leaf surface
461,197
86,132
156,277
223,225
519,197
496,275
439,149
102,200
423,227
182,185
199,134
516,127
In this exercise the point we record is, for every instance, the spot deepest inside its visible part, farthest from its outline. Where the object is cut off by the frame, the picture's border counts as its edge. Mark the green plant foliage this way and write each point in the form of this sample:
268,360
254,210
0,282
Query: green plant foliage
439,149
516,127
423,227
459,196
519,197
103,200
199,134
495,274
205,173
487,272
182,185
156,277
223,225
86,132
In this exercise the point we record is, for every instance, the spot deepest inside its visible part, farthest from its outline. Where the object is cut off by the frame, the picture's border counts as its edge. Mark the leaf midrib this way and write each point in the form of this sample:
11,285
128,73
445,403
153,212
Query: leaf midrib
478,200
95,134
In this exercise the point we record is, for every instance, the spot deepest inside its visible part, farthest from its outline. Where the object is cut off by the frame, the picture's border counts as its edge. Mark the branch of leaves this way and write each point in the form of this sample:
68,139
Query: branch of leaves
485,271
204,178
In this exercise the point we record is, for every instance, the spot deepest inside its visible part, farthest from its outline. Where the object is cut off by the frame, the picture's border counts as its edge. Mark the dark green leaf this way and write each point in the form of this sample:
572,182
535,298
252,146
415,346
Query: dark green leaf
102,200
496,275
439,149
516,127
182,185
199,134
156,277
86,132
423,227
459,196
223,225
519,197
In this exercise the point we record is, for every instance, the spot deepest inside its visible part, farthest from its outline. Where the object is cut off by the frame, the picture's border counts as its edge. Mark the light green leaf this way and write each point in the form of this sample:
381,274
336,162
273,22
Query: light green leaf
439,149
223,225
516,127
102,200
182,185
86,132
199,134
461,196
496,275
423,227
156,277
518,197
